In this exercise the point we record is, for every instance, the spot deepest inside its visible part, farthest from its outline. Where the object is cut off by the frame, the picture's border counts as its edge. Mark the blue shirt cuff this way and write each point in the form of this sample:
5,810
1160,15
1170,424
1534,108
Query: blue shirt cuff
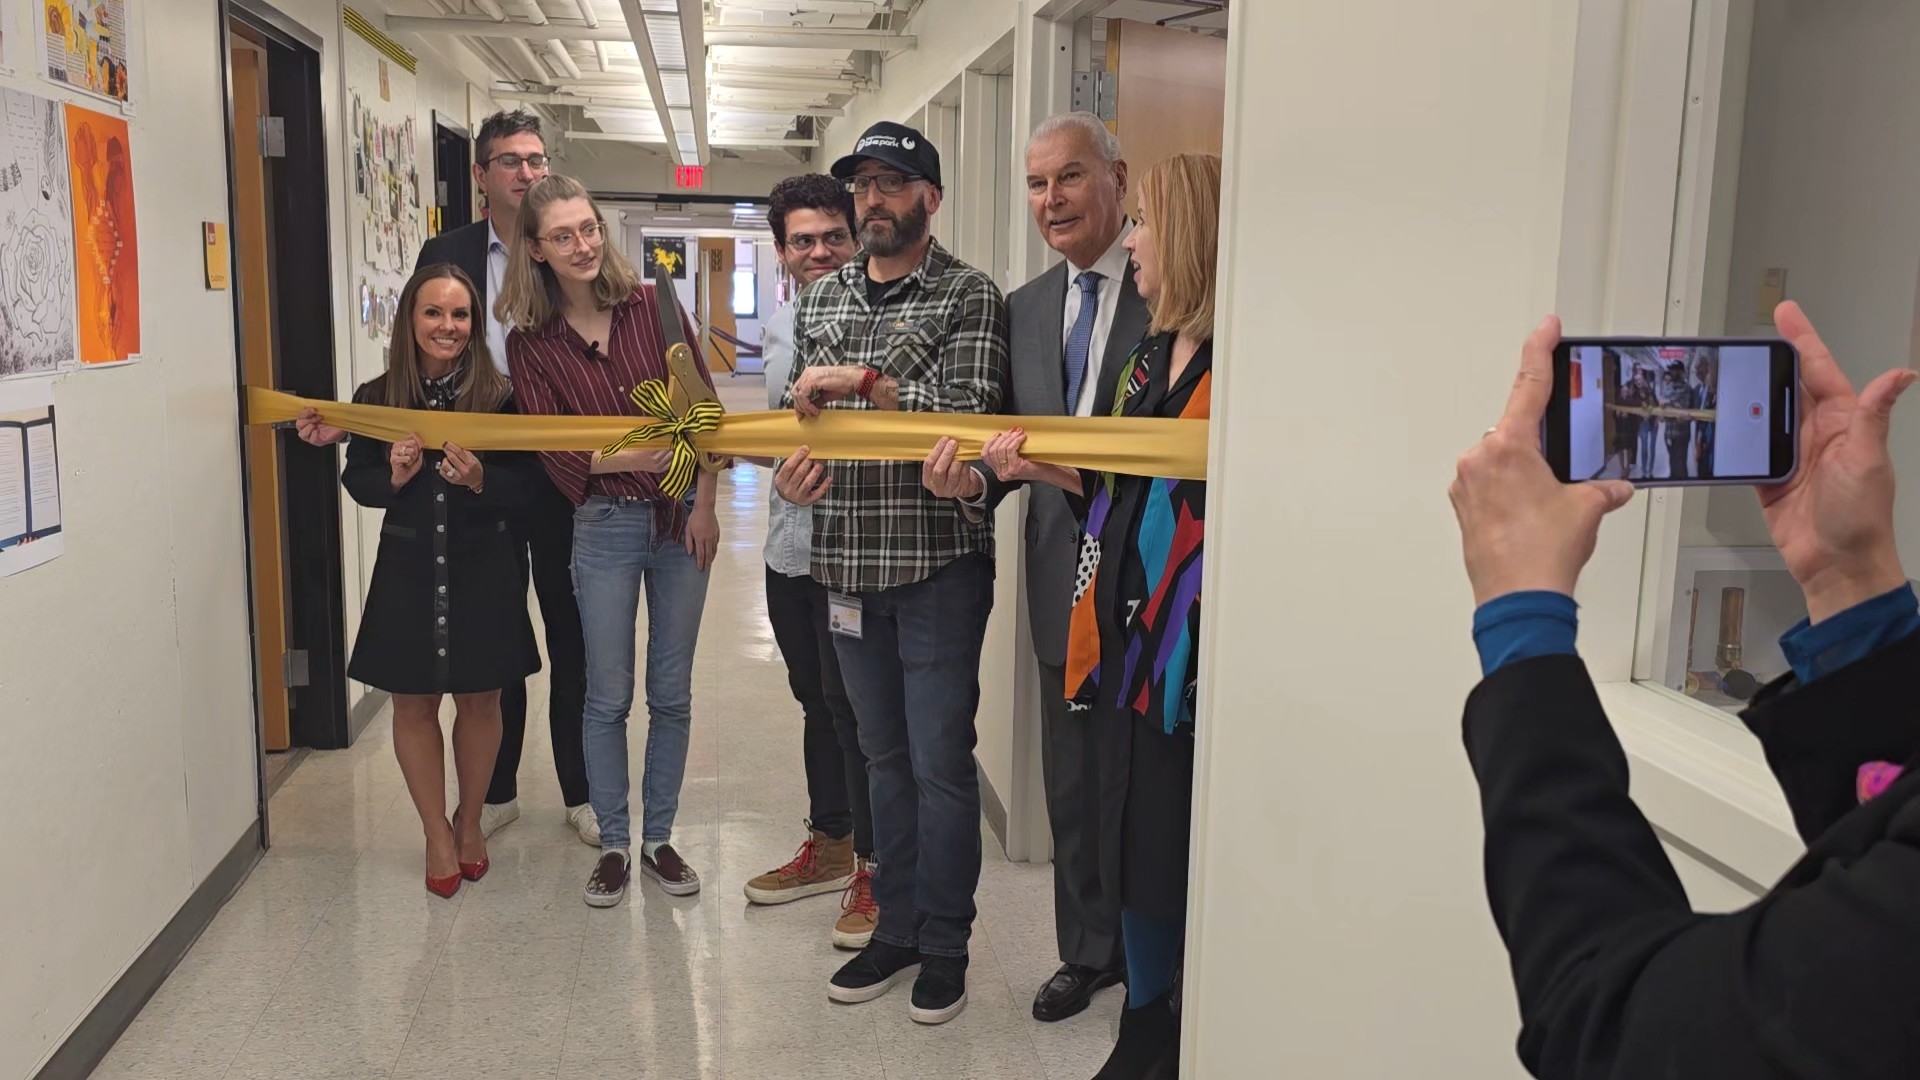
1815,652
1524,625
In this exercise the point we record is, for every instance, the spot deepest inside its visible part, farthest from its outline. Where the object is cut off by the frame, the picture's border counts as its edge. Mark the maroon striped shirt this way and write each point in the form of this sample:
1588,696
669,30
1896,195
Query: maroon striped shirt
556,372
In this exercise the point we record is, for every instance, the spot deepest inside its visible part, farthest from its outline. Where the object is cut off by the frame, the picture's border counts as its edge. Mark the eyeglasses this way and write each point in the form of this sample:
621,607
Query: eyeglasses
565,242
805,242
512,162
888,183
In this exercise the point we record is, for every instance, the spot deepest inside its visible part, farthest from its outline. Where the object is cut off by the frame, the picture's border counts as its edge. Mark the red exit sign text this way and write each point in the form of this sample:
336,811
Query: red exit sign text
690,177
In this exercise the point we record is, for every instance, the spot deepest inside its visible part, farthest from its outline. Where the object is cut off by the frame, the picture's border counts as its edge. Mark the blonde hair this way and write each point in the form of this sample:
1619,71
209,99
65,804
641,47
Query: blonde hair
481,390
1180,202
530,296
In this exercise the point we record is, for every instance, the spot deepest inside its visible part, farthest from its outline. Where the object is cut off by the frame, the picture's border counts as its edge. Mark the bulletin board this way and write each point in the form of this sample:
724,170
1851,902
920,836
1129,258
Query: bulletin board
387,208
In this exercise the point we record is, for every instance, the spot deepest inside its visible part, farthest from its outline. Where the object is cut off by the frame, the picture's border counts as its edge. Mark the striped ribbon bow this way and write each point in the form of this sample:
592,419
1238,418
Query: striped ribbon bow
702,416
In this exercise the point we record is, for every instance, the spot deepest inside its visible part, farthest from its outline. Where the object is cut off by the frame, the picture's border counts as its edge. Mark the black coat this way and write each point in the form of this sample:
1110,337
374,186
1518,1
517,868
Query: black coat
466,248
446,611
1618,977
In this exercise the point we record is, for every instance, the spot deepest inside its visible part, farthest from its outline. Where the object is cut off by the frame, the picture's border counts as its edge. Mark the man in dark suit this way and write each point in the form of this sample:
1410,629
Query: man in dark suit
511,156
1072,329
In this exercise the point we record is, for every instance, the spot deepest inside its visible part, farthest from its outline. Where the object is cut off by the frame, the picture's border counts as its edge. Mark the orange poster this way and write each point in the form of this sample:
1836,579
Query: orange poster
106,250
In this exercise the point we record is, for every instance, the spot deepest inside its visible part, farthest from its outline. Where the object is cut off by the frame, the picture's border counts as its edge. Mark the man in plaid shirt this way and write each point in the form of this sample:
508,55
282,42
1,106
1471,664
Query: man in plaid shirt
904,326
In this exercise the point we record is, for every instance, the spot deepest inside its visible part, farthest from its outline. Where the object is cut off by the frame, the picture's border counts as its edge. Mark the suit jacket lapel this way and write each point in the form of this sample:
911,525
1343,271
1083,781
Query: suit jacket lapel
1052,328
477,258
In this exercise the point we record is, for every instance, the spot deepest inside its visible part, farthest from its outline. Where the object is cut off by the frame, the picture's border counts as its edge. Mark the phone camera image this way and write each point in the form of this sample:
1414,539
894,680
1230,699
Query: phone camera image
1669,412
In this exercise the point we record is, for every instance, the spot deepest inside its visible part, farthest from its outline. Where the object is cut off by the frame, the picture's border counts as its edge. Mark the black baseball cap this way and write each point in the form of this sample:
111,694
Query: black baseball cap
897,145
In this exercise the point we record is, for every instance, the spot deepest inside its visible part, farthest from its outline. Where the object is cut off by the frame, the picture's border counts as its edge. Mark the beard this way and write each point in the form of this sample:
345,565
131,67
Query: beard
907,230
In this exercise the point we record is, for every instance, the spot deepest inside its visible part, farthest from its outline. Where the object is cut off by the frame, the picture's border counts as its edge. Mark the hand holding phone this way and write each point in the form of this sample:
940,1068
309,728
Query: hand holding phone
1673,412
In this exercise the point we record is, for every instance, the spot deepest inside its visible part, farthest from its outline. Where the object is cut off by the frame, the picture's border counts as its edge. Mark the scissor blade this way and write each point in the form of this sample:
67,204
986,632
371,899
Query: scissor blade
669,310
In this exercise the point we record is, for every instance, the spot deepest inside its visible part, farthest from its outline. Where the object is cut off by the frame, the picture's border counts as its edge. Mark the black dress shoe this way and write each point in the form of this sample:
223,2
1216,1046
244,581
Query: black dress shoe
1071,990
1148,1047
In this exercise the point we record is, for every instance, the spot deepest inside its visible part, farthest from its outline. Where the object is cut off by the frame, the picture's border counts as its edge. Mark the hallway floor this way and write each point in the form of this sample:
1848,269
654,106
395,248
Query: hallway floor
333,961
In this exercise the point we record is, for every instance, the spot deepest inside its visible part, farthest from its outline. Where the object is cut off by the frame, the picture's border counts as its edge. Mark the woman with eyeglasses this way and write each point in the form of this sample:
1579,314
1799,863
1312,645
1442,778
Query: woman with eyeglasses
586,333
443,615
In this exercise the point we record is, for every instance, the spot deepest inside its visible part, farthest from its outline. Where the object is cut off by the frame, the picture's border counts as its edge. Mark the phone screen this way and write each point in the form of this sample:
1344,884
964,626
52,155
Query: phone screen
1673,412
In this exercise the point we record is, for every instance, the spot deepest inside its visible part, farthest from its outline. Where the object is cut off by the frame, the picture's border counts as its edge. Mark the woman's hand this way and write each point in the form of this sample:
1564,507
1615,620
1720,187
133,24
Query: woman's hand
405,458
1833,522
703,536
1521,528
800,481
314,430
1003,455
462,468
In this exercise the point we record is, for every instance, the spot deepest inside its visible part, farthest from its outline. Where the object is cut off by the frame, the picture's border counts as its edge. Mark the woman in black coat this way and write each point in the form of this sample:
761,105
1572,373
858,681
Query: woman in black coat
1617,977
446,612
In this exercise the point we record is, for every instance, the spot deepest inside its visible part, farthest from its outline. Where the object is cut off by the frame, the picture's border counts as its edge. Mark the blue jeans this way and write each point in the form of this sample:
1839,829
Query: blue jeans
615,549
914,680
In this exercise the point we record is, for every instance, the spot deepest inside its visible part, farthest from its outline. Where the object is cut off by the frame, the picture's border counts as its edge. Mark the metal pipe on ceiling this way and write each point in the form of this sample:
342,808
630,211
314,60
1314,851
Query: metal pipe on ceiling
725,37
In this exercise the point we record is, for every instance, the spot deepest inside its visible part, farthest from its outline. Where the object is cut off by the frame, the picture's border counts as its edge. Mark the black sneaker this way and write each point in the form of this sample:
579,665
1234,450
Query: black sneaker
941,990
872,973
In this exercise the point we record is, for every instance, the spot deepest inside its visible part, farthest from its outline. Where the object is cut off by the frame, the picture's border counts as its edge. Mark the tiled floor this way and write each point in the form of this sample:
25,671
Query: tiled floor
332,961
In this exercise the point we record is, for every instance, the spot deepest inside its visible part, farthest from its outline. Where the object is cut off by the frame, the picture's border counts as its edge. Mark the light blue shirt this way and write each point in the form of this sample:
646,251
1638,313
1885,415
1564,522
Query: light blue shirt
496,280
789,527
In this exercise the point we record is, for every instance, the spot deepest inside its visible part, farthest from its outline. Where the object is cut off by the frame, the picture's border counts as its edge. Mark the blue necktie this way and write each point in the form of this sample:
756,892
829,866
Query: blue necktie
1080,341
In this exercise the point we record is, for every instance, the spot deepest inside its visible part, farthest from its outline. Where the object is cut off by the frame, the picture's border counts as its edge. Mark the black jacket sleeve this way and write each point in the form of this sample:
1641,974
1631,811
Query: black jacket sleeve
1817,736
1617,978
368,476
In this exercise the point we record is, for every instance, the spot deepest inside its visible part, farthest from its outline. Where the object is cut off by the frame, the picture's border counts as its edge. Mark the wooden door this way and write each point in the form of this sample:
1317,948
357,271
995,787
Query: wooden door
1171,96
715,287
263,450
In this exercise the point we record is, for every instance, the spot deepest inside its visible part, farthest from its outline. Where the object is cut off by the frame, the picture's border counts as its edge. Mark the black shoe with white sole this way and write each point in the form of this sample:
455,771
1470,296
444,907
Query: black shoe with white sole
941,990
872,973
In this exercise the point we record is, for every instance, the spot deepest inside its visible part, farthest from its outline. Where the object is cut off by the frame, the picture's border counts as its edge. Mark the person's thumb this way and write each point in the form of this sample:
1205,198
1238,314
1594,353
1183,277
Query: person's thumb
1881,395
1609,495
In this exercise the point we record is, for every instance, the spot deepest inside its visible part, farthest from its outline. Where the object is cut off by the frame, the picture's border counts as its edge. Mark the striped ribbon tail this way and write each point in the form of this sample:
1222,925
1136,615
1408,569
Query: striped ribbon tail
651,399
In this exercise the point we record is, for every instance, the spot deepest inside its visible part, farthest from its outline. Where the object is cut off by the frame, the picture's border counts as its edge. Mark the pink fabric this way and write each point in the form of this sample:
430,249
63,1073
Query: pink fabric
1875,777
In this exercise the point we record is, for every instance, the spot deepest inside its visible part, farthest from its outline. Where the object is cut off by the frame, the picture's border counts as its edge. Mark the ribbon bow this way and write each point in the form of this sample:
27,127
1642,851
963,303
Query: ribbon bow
702,416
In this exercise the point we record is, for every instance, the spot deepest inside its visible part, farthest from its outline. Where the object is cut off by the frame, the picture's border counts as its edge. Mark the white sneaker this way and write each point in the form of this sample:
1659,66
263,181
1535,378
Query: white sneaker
494,817
585,822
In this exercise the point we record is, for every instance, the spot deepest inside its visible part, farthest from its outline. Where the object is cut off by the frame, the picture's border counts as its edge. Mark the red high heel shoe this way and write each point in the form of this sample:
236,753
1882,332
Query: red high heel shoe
445,887
474,871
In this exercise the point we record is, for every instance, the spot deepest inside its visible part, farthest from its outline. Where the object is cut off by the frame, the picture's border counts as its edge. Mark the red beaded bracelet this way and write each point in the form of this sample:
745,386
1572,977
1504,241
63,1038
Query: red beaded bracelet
866,383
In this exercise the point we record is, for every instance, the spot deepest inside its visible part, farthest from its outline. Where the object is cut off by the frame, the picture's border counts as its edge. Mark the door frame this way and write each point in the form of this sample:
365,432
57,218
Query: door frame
304,364
442,122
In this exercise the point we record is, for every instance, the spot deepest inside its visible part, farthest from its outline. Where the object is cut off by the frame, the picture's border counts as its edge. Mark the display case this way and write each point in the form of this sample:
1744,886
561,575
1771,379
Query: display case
1730,607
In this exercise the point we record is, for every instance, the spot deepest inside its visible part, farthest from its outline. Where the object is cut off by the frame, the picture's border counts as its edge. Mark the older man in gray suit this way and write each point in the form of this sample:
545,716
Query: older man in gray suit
1072,328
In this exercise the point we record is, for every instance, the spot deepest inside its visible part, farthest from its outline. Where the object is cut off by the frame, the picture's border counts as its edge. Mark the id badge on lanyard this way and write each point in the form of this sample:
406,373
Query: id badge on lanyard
843,615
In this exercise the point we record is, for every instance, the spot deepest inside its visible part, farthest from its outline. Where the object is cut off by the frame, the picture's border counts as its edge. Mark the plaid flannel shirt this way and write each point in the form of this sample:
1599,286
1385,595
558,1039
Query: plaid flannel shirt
941,333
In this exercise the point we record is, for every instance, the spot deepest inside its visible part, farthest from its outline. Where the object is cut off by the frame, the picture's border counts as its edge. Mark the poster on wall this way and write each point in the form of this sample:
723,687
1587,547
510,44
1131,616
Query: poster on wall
86,45
386,210
36,238
670,253
30,526
105,241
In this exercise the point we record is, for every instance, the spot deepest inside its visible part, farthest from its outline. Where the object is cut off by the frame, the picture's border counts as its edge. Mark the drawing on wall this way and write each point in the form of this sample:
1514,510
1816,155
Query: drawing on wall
105,241
36,238
86,45
30,526
671,254
385,173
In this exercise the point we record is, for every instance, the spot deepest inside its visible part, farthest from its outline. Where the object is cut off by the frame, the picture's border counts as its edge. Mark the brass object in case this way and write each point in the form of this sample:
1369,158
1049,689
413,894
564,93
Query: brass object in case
1729,655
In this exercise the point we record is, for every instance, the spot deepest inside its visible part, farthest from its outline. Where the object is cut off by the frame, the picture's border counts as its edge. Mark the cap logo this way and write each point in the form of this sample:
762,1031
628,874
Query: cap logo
878,140
908,143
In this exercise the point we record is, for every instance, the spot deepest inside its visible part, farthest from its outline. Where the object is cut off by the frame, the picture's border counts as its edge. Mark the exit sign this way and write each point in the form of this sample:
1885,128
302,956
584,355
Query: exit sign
690,177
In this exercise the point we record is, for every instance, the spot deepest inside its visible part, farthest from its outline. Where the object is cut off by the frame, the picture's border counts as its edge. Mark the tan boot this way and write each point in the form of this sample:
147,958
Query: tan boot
858,913
820,866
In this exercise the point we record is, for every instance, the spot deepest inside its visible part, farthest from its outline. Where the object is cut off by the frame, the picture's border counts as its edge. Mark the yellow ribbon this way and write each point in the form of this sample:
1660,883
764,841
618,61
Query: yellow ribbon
702,416
1176,449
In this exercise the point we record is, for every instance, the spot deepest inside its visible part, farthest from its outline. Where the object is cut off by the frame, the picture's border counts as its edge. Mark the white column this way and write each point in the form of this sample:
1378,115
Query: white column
1394,186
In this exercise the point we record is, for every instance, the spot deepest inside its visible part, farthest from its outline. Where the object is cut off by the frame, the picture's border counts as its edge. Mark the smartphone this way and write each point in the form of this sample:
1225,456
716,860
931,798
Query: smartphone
1674,412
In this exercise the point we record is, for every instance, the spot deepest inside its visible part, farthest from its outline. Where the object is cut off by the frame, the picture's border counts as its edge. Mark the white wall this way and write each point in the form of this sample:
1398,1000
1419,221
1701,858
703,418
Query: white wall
1339,926
617,167
125,681
1828,171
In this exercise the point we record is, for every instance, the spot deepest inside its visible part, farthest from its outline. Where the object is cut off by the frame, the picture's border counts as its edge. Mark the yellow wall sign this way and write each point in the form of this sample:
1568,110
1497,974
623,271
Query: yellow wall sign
214,234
